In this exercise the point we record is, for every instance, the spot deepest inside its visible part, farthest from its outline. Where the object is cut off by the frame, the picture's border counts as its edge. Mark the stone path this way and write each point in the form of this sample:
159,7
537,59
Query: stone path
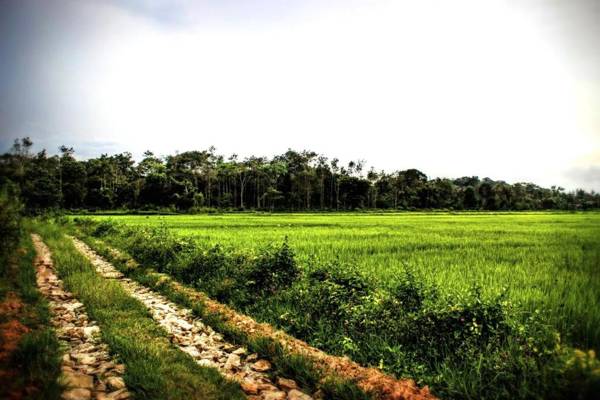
200,341
88,370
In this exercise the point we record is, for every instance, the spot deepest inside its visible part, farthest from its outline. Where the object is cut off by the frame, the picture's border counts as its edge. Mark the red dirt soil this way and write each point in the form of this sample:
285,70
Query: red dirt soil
11,332
11,305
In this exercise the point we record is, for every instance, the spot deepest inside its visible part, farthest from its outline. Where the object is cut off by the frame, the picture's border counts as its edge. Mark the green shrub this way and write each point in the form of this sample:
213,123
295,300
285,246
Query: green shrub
104,228
154,246
454,343
201,266
273,270
230,277
10,221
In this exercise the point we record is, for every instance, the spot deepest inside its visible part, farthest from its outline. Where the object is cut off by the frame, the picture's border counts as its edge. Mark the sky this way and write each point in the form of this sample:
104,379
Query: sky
508,89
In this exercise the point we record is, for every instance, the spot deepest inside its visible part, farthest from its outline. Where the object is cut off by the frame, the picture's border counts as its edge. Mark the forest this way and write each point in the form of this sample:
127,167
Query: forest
196,181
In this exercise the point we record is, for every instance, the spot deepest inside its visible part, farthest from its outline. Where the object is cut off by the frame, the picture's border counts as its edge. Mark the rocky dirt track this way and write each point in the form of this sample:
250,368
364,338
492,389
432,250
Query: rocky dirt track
88,371
200,341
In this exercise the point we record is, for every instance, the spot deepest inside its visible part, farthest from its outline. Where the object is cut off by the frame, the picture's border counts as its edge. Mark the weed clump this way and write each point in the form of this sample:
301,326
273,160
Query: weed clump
275,269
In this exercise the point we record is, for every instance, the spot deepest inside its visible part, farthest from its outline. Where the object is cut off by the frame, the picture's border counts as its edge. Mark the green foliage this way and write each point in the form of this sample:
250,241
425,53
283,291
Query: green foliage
38,356
549,260
155,244
10,222
296,366
273,270
104,228
582,374
225,275
329,292
410,331
201,181
466,342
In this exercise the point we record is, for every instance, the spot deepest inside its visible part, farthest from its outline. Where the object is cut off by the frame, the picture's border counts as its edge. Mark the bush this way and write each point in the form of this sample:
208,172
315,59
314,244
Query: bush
320,306
104,228
10,222
453,343
154,246
275,269
237,278
201,266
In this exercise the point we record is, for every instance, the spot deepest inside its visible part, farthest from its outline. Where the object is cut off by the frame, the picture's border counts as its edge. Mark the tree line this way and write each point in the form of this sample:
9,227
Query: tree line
295,181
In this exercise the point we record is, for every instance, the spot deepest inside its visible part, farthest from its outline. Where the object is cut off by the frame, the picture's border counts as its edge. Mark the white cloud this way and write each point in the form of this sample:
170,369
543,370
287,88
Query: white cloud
452,88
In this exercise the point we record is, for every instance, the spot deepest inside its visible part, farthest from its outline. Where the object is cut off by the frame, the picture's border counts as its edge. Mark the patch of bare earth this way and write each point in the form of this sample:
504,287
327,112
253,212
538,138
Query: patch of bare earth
11,332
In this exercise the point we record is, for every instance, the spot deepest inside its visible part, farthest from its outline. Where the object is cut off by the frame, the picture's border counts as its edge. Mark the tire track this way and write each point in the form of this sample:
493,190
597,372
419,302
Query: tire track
200,341
88,370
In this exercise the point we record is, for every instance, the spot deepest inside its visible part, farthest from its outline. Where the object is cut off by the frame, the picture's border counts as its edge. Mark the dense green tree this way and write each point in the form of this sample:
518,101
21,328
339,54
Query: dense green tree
41,184
294,180
153,182
72,179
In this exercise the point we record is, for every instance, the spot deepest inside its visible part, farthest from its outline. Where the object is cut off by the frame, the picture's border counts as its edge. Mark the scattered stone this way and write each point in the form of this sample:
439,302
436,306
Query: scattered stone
78,380
249,387
287,384
101,387
207,363
115,383
120,368
71,306
121,394
233,361
90,331
267,387
295,394
184,325
227,346
85,359
273,395
77,394
261,366
191,335
192,351
240,351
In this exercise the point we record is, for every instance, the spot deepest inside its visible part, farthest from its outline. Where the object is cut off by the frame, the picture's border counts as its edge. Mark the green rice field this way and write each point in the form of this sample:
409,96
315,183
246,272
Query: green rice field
547,261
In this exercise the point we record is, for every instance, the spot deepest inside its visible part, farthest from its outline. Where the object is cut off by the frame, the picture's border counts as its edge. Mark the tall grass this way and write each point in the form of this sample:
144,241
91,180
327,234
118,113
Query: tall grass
547,261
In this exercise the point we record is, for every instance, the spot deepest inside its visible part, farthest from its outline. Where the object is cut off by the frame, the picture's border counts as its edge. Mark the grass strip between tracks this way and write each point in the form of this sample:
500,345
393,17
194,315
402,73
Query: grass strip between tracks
155,369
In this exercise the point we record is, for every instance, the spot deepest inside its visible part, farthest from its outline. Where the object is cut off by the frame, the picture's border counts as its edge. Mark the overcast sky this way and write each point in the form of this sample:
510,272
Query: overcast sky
507,89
